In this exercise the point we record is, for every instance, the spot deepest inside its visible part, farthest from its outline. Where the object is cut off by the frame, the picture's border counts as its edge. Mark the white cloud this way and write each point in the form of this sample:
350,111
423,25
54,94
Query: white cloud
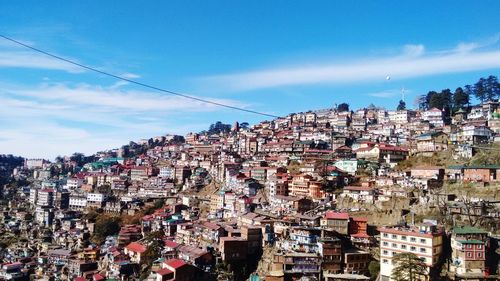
21,59
116,99
389,93
50,120
412,63
130,75
466,47
47,140
414,50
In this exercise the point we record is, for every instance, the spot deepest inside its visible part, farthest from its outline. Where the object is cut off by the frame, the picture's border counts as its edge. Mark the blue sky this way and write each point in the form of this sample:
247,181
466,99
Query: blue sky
272,56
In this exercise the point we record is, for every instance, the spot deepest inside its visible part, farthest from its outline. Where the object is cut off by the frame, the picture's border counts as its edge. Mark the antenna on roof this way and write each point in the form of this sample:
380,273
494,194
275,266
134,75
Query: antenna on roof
403,93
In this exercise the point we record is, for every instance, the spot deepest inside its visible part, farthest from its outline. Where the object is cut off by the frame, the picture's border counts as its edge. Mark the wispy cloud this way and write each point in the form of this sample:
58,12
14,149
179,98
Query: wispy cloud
414,61
21,59
116,98
389,93
130,75
51,119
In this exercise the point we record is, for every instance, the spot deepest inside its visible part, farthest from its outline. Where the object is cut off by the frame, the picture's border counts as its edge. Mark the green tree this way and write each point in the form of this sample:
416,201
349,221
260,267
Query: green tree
105,225
480,90
154,244
408,267
436,101
401,105
78,158
491,88
429,97
447,99
374,269
460,99
343,107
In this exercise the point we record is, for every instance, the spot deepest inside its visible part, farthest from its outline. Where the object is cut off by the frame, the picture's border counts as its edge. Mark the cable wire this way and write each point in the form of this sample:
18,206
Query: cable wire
135,82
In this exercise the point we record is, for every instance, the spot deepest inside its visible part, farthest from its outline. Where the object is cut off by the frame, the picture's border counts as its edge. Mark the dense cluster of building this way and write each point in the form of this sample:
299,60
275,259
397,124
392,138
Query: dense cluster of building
280,200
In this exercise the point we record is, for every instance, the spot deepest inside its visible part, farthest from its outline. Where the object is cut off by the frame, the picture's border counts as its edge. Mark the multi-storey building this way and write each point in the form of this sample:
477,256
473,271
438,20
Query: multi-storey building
77,202
425,241
401,116
299,265
468,246
356,261
96,199
434,116
33,195
74,183
45,197
330,250
336,221
305,186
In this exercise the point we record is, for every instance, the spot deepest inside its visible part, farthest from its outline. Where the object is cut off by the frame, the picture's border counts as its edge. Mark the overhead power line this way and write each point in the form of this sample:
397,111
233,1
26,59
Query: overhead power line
135,82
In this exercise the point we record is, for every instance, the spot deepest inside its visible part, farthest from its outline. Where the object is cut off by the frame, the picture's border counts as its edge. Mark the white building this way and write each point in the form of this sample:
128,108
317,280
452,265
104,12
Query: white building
44,216
400,116
425,241
434,116
34,163
33,195
77,202
349,166
96,197
475,134
45,197
167,172
74,183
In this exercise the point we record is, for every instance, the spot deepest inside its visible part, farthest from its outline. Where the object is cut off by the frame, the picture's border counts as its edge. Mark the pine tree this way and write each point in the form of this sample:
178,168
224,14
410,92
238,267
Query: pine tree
343,107
491,87
401,105
436,101
480,90
460,99
408,267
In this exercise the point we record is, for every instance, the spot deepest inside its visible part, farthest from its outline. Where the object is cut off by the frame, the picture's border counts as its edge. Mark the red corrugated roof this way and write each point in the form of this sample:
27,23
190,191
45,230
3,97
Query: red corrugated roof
164,271
336,216
136,247
175,263
171,244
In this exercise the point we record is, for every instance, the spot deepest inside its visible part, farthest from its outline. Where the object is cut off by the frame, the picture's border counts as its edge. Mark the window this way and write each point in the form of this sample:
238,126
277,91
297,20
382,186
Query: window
413,248
386,244
479,247
469,246
394,245
385,252
469,255
385,261
423,250
413,239
403,237
479,255
403,247
422,241
394,236
386,235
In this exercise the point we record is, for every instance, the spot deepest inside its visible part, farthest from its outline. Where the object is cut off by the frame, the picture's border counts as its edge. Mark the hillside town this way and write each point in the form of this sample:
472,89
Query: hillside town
332,194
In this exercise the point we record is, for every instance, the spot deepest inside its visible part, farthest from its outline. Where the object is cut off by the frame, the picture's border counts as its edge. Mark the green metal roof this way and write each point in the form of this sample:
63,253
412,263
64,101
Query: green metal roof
474,167
468,230
473,241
